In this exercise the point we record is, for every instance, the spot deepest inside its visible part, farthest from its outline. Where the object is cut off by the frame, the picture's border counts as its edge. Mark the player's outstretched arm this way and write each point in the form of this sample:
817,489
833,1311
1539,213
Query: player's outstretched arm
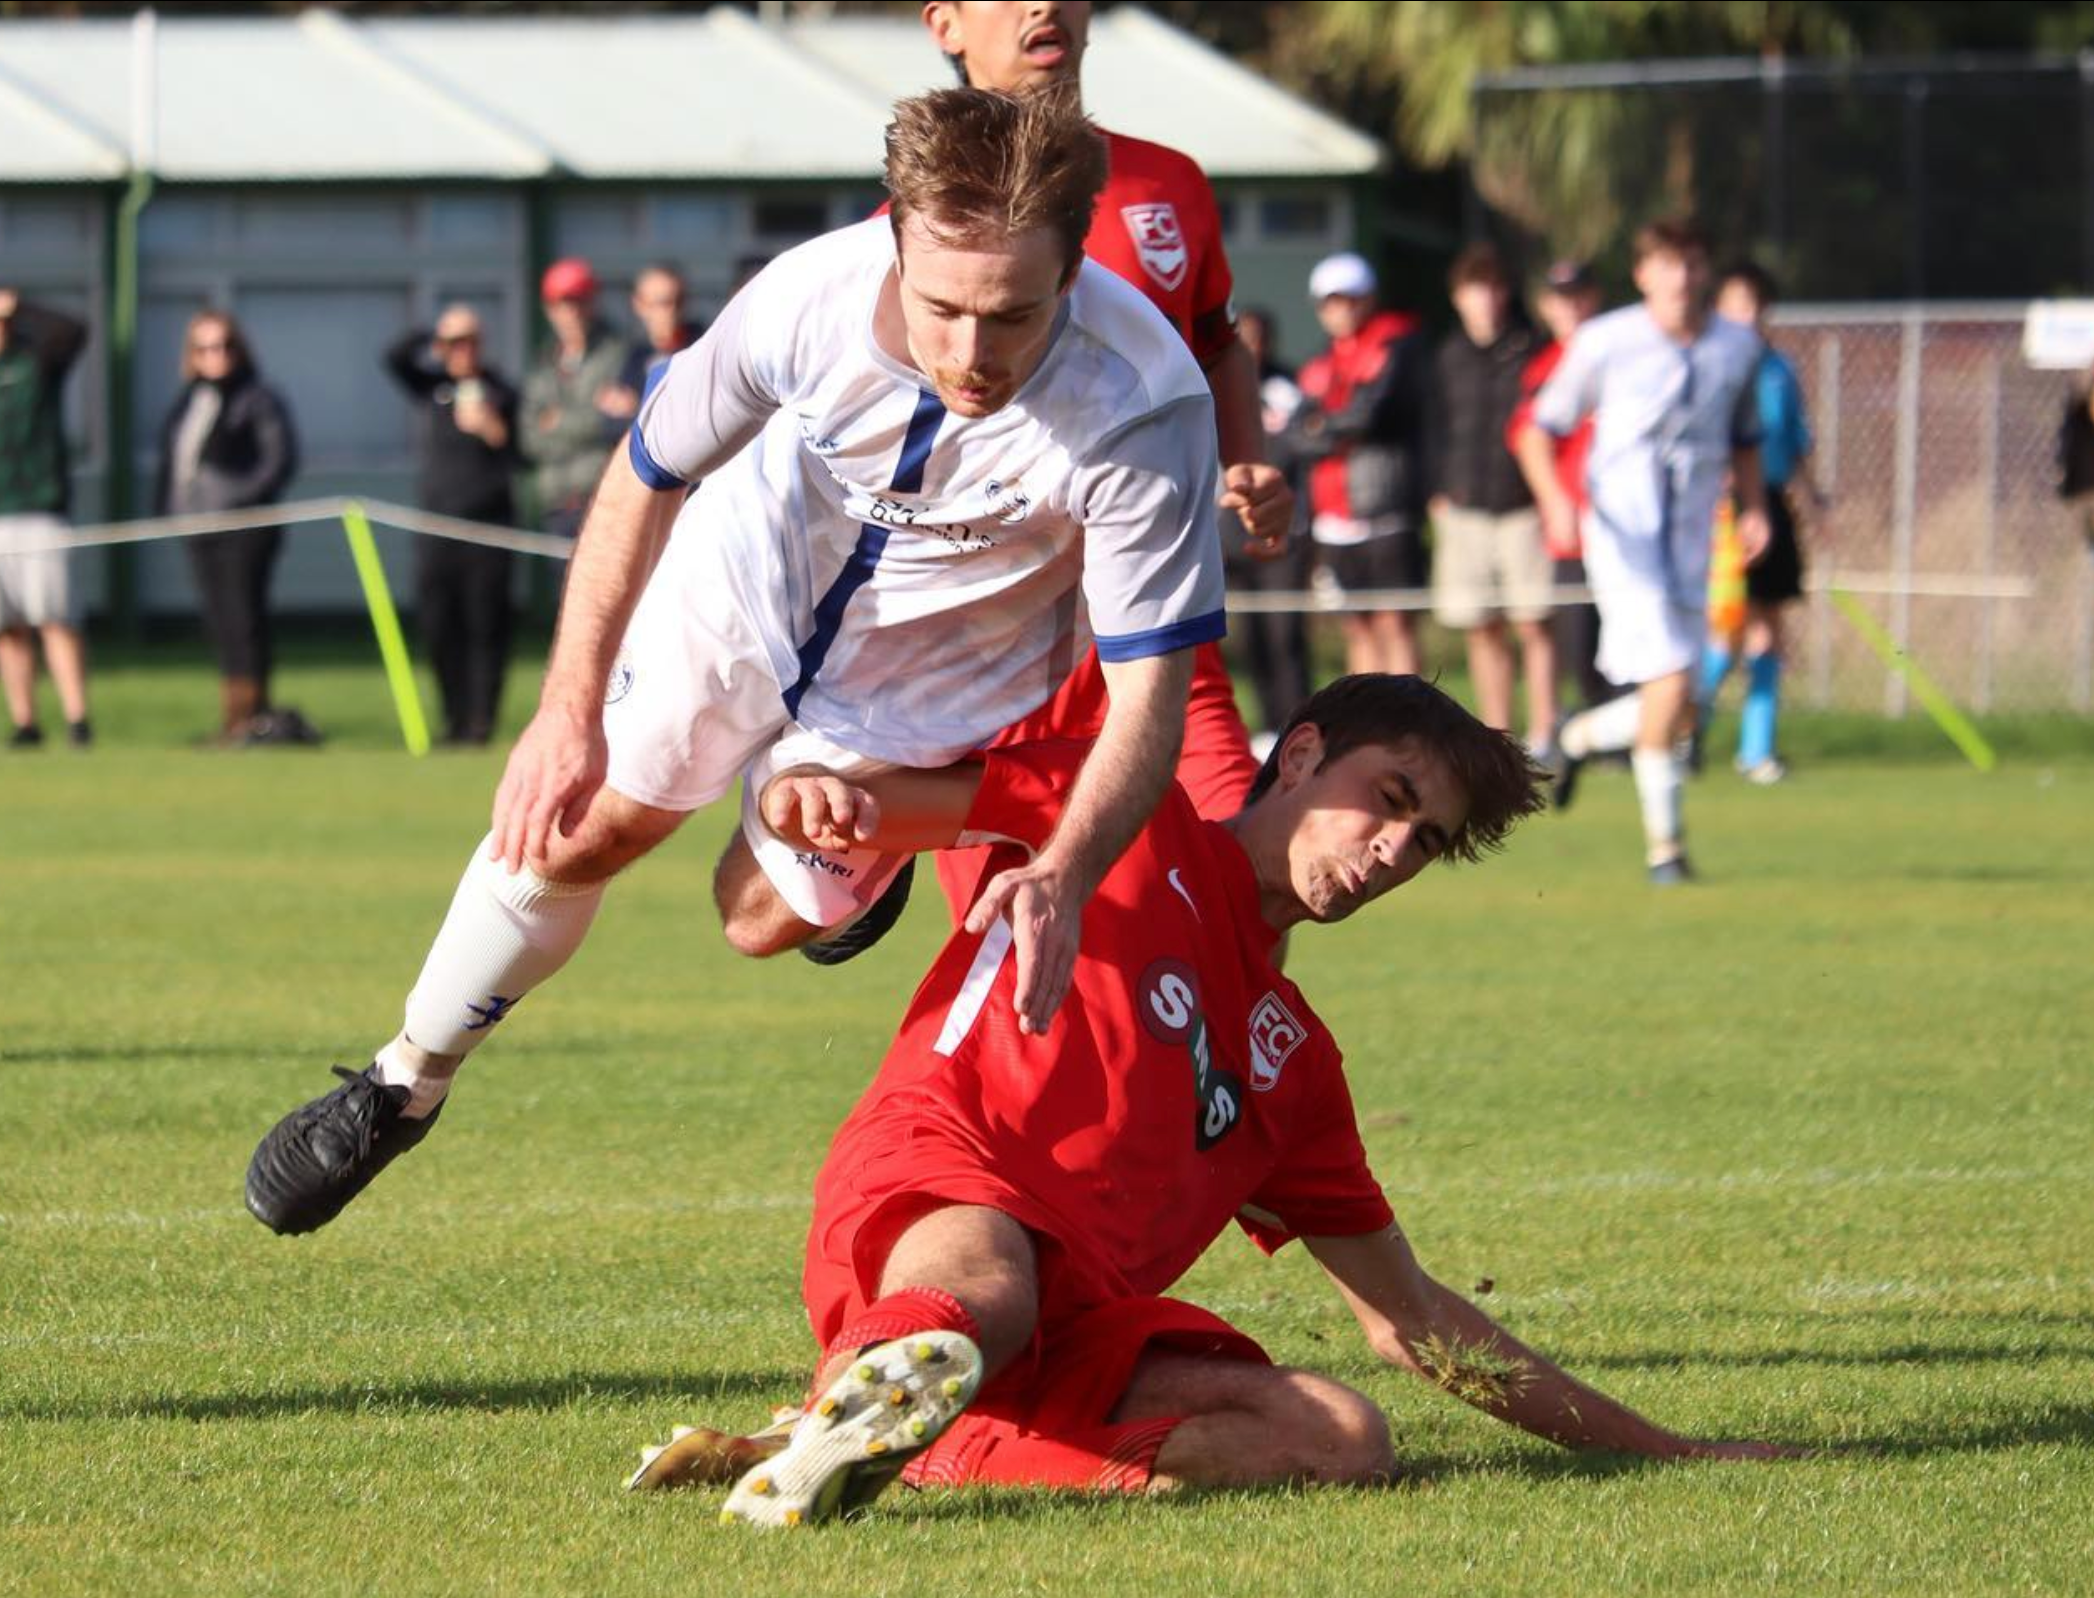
1415,1322
898,812
558,763
1114,795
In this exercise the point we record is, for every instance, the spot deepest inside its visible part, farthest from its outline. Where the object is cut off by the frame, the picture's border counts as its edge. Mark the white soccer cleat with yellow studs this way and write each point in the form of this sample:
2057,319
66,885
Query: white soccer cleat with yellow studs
890,1404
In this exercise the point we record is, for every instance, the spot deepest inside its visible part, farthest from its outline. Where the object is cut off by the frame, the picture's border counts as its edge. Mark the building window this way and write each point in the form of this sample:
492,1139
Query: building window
1295,216
789,216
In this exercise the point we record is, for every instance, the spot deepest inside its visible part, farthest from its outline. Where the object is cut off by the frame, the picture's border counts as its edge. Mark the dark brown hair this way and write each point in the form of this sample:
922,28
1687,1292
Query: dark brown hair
1501,781
1479,263
973,164
1672,235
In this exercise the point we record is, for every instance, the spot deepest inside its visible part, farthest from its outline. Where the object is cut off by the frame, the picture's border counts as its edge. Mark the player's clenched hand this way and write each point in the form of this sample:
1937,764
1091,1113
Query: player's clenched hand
1259,494
1754,534
1559,522
818,810
1045,910
553,772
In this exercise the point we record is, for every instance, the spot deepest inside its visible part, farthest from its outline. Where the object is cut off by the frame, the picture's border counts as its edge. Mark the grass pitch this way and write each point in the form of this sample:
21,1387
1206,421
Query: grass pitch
1801,1152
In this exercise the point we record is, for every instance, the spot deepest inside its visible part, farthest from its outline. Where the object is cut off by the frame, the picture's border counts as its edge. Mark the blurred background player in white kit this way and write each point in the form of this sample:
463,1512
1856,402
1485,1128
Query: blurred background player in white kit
888,560
1670,391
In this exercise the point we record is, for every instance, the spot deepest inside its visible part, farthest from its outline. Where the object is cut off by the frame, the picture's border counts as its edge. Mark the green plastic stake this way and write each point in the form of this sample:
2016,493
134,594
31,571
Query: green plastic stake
1946,716
385,622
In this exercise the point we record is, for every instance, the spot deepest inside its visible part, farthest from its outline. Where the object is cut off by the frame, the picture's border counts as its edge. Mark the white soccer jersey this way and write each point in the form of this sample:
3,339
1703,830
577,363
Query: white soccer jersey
1666,417
920,580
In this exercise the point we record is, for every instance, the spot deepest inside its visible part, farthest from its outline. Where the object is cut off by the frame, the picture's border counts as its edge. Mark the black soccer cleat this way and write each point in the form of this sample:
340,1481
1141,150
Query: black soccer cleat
873,924
1563,778
320,1156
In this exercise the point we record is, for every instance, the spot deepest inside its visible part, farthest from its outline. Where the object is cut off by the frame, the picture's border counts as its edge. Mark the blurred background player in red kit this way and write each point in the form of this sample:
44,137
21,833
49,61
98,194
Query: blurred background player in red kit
1156,226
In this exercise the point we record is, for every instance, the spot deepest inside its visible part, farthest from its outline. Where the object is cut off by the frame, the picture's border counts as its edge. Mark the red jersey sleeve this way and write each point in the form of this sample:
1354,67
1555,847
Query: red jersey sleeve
1022,792
1324,1187
1213,316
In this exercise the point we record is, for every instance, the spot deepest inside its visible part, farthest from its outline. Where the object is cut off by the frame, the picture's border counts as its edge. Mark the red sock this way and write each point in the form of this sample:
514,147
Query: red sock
914,1309
1099,1459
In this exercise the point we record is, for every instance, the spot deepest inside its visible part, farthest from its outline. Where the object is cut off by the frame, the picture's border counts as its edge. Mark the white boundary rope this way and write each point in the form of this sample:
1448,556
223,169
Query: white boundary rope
1244,602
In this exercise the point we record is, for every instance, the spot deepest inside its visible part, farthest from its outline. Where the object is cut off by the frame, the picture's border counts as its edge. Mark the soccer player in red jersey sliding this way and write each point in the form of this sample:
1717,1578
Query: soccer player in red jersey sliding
1156,226
999,1218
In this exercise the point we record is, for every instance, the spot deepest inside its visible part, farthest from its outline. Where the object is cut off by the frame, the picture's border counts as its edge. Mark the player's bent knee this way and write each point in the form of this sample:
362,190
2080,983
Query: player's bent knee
754,919
1346,1436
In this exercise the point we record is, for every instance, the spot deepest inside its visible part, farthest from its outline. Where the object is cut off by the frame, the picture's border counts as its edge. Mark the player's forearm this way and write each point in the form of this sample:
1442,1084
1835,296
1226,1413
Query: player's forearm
1535,452
1128,768
1748,483
1462,1351
623,537
1239,423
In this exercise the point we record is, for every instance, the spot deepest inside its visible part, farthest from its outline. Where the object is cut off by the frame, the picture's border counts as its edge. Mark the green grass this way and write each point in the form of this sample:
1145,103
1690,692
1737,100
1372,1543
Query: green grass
1802,1153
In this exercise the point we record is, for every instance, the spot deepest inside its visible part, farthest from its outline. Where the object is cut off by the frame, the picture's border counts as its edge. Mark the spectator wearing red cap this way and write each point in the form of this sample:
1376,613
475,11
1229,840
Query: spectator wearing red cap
569,400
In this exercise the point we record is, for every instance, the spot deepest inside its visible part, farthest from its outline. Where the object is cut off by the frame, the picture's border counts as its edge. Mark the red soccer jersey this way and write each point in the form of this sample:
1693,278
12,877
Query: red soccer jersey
1183,1084
1571,451
1158,227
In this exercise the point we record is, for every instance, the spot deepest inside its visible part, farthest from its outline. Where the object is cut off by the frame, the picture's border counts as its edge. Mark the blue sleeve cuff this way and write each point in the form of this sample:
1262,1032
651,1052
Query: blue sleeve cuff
645,466
649,470
1164,640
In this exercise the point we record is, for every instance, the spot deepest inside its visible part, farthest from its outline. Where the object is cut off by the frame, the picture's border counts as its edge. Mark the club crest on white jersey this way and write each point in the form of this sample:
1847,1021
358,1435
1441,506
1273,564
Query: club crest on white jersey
1158,241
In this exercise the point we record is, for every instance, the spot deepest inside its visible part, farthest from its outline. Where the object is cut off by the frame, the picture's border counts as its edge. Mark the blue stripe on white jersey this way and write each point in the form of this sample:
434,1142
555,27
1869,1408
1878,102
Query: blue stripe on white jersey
864,559
650,471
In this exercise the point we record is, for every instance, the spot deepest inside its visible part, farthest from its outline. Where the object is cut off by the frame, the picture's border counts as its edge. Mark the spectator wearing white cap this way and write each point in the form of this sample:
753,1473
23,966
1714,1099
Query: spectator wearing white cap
570,402
1363,429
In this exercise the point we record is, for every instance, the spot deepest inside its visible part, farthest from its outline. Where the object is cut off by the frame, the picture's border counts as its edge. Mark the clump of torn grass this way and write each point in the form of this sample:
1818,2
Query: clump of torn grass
1475,1373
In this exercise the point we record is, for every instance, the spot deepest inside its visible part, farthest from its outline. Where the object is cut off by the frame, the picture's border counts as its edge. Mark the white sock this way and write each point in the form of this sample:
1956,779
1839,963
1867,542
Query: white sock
1658,790
506,933
1604,729
426,1077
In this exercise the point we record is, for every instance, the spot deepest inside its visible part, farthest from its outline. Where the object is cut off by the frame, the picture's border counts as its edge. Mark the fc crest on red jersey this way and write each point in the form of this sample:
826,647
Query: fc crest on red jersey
1158,241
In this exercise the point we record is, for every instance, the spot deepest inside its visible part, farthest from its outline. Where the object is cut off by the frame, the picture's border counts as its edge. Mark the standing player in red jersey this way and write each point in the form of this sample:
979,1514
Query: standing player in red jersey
1157,227
999,1218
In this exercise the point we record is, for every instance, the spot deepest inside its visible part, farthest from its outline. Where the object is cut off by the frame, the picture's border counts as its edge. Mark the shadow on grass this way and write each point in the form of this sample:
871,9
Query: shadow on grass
695,1391
2069,1424
1894,1354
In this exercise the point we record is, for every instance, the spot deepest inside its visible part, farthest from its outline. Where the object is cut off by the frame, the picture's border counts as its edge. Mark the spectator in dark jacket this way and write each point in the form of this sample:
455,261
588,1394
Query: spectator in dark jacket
659,301
1490,563
227,443
1363,428
468,450
2076,455
1276,642
37,349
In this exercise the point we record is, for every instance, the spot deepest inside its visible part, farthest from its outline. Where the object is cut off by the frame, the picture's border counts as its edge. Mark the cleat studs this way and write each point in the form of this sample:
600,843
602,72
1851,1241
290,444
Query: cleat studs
925,1352
792,1517
866,1372
760,1486
728,1517
827,1407
952,1386
897,1396
918,1427
875,1448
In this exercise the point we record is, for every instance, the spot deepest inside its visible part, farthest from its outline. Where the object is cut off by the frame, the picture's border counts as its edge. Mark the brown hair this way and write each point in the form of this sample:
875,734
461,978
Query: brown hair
1672,235
1479,263
972,163
1501,781
235,342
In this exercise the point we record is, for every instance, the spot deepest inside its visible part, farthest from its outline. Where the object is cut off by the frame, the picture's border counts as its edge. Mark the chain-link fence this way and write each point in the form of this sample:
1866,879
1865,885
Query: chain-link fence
1938,445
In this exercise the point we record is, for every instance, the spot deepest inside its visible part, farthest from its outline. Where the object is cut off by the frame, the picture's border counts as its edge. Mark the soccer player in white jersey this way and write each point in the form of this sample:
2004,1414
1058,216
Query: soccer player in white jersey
1670,389
939,452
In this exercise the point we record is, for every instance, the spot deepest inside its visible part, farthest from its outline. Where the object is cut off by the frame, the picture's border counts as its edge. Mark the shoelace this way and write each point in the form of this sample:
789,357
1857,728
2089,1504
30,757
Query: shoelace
362,1107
